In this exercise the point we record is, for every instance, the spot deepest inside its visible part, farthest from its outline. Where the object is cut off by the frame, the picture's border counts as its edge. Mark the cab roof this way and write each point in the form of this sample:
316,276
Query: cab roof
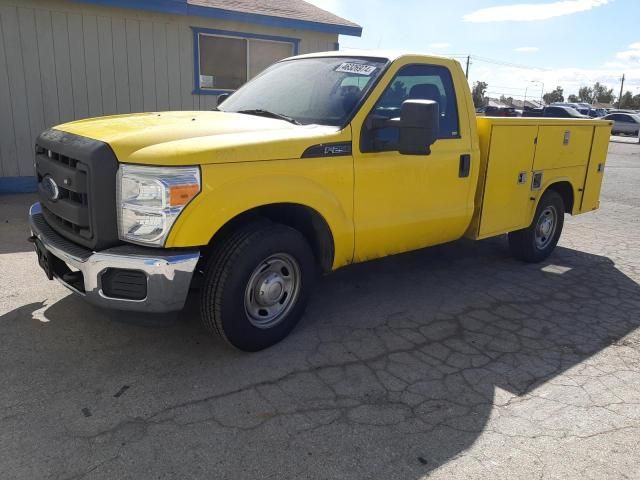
390,55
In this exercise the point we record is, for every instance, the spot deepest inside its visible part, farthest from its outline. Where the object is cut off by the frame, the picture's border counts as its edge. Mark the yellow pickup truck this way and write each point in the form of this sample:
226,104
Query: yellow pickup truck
321,161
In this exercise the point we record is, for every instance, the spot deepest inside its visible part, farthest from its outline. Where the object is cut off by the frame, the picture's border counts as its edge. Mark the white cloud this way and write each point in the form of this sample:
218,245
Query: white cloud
512,81
629,57
526,49
526,12
439,45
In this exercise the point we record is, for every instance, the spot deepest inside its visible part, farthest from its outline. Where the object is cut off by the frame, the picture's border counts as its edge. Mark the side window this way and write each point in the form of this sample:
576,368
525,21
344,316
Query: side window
415,82
556,112
227,62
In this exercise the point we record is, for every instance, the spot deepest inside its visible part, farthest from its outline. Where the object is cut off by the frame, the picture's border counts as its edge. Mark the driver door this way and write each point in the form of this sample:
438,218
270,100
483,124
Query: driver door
406,202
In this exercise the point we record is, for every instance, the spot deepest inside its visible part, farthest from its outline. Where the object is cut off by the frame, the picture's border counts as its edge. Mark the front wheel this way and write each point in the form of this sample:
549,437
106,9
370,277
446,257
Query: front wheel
535,243
256,285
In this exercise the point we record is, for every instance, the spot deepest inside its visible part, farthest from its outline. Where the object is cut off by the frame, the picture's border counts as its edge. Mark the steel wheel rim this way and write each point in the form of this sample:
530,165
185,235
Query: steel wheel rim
272,290
546,227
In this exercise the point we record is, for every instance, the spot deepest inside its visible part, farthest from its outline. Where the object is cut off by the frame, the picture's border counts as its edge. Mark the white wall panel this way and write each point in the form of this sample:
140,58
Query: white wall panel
62,60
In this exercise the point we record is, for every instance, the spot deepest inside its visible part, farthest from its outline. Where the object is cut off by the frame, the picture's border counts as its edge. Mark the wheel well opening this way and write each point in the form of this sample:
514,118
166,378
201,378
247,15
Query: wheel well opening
565,190
302,218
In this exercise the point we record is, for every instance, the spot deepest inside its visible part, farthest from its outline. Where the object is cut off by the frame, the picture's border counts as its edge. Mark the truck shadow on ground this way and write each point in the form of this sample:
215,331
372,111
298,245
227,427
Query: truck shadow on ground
395,369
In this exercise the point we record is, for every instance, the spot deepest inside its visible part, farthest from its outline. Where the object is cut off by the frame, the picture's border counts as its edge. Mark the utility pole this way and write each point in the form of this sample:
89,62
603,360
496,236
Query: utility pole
621,87
466,72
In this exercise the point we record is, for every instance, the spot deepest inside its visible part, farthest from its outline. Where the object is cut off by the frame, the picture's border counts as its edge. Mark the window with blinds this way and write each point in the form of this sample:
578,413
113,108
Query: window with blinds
225,63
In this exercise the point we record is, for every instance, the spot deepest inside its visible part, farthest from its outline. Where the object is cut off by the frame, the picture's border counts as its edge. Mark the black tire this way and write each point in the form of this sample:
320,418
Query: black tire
531,245
235,263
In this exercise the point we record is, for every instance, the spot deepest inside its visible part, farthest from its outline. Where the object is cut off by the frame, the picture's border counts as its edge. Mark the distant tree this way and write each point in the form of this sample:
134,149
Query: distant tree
636,102
585,94
477,92
506,100
602,94
573,98
554,96
627,100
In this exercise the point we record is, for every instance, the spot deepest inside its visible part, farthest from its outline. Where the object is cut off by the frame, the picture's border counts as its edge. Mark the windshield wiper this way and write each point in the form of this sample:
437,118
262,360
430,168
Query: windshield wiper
266,113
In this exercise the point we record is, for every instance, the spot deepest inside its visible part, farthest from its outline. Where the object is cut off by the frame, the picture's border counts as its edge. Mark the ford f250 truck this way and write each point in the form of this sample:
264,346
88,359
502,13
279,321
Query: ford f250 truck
321,161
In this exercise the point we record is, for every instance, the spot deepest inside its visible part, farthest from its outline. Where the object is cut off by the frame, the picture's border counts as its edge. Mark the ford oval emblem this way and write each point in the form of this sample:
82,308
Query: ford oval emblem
50,187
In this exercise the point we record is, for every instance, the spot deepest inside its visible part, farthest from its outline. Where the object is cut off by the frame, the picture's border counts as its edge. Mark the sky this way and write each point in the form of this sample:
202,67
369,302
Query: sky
517,48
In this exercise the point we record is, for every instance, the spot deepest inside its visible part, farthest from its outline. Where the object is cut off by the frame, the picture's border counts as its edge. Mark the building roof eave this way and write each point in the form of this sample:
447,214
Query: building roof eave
181,7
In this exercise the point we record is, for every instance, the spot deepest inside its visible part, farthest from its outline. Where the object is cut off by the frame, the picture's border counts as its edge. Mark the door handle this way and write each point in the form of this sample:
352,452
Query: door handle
465,165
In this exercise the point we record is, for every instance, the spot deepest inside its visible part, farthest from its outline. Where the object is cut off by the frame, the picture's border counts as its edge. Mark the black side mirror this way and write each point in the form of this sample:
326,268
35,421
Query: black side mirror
419,126
222,97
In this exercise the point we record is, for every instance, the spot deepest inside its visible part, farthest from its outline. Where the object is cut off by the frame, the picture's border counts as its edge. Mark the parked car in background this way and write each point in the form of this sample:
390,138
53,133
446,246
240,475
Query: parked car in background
533,112
624,123
582,108
597,112
500,112
554,111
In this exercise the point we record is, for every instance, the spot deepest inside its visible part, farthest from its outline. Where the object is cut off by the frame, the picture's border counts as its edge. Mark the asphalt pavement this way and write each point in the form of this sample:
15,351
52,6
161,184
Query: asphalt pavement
455,362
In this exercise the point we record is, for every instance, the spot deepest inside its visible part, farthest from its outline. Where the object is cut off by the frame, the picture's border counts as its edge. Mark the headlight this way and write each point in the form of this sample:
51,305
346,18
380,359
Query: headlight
151,198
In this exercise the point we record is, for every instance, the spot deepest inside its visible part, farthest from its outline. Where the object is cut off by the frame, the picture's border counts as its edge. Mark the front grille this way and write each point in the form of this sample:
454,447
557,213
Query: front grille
58,241
70,209
76,183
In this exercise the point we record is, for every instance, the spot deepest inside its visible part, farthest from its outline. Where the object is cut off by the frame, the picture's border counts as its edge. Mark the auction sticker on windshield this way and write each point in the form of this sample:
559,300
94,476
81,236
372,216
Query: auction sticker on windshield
357,68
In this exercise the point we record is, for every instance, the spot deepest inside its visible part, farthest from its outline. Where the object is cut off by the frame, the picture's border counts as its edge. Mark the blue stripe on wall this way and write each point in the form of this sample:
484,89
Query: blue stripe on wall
18,184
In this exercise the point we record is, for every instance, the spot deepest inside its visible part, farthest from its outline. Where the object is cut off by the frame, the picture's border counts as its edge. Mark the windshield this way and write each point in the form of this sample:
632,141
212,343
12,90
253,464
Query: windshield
322,91
573,112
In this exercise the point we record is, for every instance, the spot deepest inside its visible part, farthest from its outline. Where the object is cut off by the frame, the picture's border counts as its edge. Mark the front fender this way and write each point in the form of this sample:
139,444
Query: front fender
325,185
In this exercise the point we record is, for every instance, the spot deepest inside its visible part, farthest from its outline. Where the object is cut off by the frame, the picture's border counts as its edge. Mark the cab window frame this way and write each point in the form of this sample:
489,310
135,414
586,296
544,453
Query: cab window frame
446,78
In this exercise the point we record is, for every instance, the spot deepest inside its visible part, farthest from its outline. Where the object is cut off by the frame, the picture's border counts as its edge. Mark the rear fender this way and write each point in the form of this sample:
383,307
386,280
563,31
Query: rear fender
553,183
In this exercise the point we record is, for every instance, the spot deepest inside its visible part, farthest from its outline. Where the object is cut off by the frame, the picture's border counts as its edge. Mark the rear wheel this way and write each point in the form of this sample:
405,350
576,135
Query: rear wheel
257,284
535,243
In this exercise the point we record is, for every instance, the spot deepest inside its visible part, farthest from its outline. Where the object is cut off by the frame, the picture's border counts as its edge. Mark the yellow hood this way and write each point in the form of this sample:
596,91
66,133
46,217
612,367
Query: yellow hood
189,138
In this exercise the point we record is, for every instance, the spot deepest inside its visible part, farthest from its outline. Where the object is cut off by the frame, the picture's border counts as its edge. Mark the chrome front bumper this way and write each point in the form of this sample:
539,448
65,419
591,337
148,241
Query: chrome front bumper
168,272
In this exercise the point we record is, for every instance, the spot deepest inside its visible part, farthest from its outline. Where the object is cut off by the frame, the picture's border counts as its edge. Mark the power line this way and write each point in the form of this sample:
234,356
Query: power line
507,94
493,61
508,64
509,88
